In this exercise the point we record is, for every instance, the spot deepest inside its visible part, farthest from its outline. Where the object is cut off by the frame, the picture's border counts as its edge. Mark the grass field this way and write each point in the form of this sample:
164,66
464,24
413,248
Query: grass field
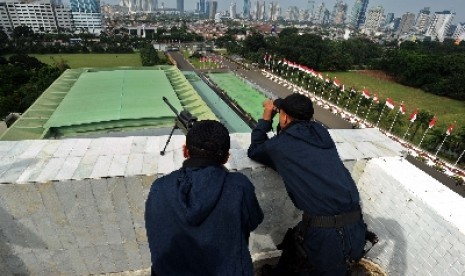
446,110
92,60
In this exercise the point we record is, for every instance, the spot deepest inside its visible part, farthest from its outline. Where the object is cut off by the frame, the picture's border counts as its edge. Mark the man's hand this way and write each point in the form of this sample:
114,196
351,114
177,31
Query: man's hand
268,110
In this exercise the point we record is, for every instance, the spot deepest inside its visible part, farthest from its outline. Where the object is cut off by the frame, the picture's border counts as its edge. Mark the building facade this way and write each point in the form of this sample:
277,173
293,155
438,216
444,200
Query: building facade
246,9
406,23
358,14
180,6
232,10
459,34
423,20
440,24
338,16
375,19
40,17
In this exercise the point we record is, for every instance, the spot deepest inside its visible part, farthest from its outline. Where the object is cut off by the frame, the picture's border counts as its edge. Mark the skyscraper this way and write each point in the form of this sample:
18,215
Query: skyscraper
202,6
180,6
86,15
86,6
338,16
406,23
232,10
440,25
357,16
423,20
246,9
375,18
213,9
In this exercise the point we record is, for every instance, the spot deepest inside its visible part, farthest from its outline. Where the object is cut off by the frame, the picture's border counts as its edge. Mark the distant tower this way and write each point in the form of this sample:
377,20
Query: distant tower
85,6
338,16
374,19
440,25
357,17
311,9
423,20
232,10
207,8
213,8
406,23
202,6
389,18
180,6
246,9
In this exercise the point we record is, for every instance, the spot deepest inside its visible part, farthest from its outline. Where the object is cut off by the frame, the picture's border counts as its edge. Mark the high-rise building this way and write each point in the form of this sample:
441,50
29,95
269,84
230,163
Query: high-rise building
274,11
319,13
338,16
357,16
207,8
213,9
375,19
422,20
389,18
40,16
440,24
180,6
86,15
141,5
459,33
232,10
406,23
246,9
311,9
202,6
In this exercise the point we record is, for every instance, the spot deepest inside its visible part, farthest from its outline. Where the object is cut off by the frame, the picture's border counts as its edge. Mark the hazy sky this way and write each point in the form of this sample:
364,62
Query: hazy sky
398,7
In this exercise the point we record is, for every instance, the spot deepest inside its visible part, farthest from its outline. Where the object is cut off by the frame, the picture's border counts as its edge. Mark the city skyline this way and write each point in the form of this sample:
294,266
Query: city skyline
398,7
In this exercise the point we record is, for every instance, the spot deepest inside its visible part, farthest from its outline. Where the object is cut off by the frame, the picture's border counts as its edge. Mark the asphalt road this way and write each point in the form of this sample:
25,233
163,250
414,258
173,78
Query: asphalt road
255,75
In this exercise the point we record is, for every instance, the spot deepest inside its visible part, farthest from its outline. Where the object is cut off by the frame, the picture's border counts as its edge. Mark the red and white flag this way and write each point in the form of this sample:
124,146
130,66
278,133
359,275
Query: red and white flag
432,122
366,94
413,117
390,103
402,108
336,83
449,129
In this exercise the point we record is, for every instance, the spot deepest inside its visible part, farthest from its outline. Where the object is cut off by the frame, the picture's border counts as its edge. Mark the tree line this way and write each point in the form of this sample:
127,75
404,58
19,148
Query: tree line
22,81
433,66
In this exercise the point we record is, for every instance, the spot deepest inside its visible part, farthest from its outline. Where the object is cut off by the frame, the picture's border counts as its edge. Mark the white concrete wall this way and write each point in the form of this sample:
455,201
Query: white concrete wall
76,206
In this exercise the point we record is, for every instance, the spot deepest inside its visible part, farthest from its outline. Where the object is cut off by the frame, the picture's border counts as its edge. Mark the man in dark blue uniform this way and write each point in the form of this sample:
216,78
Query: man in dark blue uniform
199,218
332,232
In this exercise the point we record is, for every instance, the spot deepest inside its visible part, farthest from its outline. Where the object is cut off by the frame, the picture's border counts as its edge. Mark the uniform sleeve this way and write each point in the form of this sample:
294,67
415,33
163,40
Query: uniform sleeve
149,221
251,210
258,147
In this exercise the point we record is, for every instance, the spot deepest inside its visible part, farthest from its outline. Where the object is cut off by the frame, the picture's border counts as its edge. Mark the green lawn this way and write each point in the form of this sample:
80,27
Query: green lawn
92,60
446,110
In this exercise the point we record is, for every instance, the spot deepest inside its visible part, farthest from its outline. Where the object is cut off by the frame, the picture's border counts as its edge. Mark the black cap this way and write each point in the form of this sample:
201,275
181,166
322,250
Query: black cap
297,106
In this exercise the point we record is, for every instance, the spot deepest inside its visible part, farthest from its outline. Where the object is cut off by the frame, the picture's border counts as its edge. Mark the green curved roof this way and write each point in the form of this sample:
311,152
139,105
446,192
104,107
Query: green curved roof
88,101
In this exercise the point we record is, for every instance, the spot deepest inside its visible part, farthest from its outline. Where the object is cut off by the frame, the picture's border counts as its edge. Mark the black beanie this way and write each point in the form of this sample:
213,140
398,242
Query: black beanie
208,138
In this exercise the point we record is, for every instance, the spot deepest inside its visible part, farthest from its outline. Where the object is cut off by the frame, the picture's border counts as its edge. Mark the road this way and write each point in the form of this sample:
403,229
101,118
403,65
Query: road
255,75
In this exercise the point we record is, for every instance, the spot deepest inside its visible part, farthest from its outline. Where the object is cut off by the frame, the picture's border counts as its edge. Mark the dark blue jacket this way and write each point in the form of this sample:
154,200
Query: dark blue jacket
198,221
317,182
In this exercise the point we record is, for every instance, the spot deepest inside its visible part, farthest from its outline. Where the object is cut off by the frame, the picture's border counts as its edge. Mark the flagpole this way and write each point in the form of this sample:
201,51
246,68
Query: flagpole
408,128
395,118
358,104
459,158
423,137
368,112
445,137
380,115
